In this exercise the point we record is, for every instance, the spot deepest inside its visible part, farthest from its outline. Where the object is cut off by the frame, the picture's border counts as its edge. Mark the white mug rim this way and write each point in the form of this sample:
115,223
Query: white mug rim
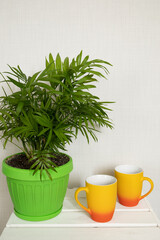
122,169
93,180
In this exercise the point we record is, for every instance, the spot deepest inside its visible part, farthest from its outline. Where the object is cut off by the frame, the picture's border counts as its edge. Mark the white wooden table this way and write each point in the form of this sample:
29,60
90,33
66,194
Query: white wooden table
138,223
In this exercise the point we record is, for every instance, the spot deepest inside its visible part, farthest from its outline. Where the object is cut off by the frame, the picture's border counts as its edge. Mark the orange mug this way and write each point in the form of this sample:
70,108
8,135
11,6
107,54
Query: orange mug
129,184
101,191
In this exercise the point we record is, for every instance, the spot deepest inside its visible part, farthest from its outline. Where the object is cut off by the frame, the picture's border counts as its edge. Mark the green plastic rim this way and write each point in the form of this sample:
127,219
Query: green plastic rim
40,218
27,174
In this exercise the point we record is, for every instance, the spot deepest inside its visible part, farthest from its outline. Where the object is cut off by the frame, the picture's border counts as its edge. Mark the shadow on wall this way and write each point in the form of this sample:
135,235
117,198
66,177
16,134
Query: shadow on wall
102,170
74,182
5,210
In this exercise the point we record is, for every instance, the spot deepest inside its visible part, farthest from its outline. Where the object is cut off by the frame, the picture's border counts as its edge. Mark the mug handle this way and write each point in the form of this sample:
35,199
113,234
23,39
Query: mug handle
76,197
152,185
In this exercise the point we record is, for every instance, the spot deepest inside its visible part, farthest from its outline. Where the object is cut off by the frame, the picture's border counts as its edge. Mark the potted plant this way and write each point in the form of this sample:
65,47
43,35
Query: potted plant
46,111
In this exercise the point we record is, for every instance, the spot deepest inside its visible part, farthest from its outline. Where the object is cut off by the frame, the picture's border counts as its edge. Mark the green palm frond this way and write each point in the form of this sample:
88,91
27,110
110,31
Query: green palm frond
52,106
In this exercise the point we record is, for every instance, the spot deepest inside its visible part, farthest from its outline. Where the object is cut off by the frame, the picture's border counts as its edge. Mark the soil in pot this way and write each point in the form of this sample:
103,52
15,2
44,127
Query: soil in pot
21,160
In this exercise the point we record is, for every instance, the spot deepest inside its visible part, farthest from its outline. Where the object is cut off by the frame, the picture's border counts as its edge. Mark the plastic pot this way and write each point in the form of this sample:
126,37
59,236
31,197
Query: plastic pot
33,199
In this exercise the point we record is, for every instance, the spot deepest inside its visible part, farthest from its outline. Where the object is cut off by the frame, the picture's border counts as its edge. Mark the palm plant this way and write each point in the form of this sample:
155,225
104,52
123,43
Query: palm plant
52,106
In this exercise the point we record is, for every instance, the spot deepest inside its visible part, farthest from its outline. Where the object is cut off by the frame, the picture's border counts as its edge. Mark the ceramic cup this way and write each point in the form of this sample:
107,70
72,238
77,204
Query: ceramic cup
101,192
129,184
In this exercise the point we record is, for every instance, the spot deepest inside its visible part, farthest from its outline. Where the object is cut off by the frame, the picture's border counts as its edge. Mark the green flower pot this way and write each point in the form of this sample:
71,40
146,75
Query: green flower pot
36,200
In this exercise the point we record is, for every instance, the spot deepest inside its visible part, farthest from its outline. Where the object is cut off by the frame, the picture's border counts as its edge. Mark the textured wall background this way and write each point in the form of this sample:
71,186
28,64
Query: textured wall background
123,32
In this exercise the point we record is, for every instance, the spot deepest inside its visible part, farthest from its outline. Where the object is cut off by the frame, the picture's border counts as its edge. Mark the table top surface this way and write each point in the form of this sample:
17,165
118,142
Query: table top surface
139,222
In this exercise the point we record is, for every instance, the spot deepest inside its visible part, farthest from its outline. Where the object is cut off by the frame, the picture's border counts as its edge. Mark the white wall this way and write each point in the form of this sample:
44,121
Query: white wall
123,32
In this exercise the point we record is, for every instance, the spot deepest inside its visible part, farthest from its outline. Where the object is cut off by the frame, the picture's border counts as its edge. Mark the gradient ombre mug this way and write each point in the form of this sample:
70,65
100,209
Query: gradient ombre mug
129,184
101,192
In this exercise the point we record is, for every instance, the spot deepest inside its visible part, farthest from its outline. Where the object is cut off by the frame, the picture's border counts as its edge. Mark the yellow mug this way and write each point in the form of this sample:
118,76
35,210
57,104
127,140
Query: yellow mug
129,184
101,191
